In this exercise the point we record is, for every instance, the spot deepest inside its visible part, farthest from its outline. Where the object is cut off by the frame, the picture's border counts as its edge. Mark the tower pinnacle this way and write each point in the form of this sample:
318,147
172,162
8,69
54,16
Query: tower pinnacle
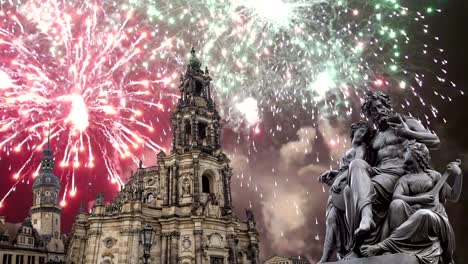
196,120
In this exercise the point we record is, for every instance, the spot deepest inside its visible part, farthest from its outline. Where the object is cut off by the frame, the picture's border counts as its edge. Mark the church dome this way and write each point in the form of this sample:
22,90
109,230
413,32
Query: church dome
46,179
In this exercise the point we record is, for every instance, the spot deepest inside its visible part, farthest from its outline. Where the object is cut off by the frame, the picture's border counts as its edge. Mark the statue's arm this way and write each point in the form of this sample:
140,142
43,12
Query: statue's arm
419,133
361,152
399,193
339,179
328,177
456,189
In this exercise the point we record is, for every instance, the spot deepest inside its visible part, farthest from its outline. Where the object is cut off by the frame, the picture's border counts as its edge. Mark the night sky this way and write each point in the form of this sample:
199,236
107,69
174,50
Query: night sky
288,202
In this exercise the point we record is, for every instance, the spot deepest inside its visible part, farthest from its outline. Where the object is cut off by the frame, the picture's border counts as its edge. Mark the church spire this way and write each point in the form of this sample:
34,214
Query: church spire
47,163
194,63
46,176
196,120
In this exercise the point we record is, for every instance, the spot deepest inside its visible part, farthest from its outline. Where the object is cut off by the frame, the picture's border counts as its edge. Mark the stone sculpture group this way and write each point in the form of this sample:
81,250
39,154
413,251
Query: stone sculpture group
386,197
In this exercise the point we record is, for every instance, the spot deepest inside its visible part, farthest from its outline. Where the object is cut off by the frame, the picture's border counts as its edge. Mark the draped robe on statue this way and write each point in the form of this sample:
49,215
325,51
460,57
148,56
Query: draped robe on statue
426,233
371,185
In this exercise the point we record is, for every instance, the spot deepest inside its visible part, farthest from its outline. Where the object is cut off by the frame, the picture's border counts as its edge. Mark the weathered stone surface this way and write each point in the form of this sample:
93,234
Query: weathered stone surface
386,193
385,259
185,197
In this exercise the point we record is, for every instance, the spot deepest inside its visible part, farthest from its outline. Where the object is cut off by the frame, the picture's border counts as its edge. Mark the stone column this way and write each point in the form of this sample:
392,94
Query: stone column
196,183
227,174
198,246
158,244
169,248
169,186
175,247
163,248
163,183
192,130
176,185
233,248
174,181
194,124
135,235
183,135
216,137
176,133
180,135
209,135
80,258
93,246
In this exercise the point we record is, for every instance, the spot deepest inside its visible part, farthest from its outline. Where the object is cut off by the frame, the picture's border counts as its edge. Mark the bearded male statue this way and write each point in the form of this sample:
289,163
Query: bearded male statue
371,182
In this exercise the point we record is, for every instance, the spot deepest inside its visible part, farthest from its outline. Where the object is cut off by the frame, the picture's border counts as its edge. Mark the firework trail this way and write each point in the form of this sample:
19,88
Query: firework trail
102,75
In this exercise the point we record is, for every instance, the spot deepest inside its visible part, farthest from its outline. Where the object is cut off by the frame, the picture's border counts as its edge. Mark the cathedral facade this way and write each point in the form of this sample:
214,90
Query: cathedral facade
185,197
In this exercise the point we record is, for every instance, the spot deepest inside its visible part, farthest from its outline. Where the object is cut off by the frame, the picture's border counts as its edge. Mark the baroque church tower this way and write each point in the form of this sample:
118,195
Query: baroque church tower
46,212
185,197
197,134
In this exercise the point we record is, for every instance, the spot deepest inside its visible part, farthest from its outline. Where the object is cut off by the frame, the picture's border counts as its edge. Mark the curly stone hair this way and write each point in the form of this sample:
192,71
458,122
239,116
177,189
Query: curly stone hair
356,126
420,153
371,96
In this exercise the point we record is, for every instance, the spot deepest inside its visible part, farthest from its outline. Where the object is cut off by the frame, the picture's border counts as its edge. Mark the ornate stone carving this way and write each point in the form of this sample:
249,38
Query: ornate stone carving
109,242
233,246
99,200
186,243
197,232
212,208
215,240
186,260
94,232
186,187
385,197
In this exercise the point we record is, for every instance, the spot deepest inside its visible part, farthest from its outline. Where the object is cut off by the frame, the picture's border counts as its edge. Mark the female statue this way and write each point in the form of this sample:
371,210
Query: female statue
417,223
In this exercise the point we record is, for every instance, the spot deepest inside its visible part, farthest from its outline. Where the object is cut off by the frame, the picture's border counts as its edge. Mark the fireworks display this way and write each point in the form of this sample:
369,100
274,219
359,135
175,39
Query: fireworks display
102,76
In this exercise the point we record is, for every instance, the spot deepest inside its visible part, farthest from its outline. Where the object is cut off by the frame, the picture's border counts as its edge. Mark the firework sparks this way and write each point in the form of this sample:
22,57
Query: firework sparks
100,76
69,71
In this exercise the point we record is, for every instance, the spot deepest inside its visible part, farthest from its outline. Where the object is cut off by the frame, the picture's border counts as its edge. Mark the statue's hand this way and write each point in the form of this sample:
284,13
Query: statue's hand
426,199
400,128
327,177
336,188
323,177
454,167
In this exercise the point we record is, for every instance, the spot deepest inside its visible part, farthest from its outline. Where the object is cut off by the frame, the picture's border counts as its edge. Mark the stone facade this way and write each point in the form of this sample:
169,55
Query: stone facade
185,197
38,239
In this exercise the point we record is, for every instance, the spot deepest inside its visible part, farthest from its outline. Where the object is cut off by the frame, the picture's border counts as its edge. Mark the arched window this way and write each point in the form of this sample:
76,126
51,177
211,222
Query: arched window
187,135
202,132
198,88
56,235
206,184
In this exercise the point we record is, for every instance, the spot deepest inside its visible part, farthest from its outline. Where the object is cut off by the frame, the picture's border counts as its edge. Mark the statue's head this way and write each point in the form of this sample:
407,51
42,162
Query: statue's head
360,132
377,107
417,157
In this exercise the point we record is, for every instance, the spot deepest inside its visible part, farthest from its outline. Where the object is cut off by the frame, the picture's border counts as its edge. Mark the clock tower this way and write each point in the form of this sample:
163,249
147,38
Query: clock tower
46,212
